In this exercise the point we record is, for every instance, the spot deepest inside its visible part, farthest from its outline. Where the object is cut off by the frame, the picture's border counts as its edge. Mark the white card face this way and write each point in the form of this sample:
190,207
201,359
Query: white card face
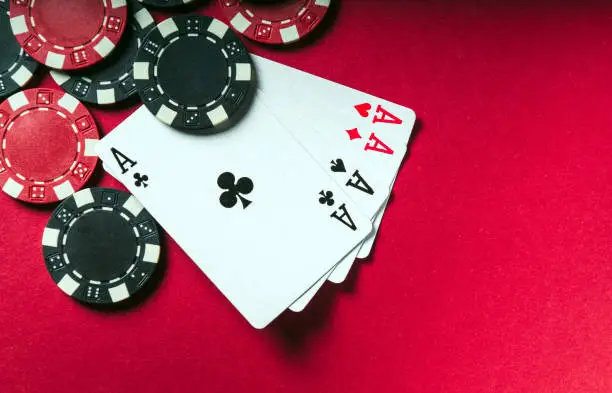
248,205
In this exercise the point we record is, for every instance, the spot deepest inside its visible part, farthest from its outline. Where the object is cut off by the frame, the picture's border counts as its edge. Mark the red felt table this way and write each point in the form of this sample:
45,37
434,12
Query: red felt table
492,272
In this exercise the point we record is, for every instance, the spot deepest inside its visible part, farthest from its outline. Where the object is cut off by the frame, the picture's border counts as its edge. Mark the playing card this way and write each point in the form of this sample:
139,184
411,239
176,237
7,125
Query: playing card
249,205
355,185
377,131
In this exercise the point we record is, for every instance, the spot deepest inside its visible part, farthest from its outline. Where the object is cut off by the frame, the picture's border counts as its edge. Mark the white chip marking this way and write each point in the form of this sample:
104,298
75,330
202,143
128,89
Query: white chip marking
68,285
106,96
55,60
217,115
240,23
290,34
167,27
166,115
119,293
59,77
105,47
133,206
22,76
141,70
144,18
12,188
90,147
323,3
50,237
151,253
68,102
17,100
83,197
19,25
243,72
218,28
64,190
118,3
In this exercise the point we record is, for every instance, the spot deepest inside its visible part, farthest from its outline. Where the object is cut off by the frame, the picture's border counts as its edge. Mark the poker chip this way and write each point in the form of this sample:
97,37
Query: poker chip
101,246
111,80
16,66
68,36
165,3
194,73
280,22
48,140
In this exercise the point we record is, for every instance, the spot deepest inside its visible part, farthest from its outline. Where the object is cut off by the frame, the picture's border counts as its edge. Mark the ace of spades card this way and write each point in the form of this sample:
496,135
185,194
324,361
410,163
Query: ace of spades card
252,209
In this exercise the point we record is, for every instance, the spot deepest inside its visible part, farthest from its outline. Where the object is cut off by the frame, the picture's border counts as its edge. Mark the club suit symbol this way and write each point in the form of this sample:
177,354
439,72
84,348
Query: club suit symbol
234,190
141,180
327,198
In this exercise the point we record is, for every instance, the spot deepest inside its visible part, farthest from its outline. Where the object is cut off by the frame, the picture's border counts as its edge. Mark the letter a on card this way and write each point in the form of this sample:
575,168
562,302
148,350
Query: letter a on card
384,116
377,145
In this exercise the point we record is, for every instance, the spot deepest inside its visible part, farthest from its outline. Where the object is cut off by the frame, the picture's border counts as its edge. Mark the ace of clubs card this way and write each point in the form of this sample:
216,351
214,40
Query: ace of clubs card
250,206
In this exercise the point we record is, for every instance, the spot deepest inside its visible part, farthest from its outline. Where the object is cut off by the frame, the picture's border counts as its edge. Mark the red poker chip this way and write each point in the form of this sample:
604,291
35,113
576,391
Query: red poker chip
48,145
281,22
68,36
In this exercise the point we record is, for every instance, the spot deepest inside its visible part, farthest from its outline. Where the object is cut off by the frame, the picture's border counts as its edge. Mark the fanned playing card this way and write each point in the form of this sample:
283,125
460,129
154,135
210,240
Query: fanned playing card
249,205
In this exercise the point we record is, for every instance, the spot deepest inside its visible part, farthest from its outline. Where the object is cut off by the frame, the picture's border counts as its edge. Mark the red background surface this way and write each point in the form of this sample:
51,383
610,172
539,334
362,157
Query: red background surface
492,271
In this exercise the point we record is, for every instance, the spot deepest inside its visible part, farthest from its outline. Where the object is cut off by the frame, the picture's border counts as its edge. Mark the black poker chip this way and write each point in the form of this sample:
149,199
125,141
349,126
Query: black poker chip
16,66
111,80
193,73
166,3
101,246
